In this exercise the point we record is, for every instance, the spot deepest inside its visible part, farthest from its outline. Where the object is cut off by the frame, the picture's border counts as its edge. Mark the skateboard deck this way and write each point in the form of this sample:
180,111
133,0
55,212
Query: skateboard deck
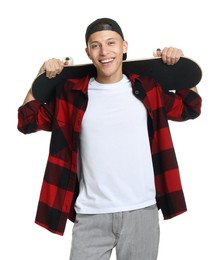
185,74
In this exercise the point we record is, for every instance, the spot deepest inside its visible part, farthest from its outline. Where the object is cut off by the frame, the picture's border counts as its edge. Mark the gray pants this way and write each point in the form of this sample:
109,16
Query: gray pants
135,234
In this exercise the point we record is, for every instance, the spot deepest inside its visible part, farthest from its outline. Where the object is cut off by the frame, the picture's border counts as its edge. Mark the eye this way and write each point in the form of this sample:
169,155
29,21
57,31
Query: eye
111,42
94,45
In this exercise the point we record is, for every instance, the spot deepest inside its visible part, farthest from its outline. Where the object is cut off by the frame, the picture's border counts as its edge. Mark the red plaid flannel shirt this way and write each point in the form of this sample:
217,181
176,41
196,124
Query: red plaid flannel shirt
63,116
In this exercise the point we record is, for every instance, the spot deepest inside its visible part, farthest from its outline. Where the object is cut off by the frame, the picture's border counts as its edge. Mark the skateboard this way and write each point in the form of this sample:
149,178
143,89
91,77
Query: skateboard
185,74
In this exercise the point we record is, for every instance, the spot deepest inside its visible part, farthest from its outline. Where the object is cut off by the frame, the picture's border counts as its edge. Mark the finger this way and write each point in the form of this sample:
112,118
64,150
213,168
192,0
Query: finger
170,56
164,54
175,55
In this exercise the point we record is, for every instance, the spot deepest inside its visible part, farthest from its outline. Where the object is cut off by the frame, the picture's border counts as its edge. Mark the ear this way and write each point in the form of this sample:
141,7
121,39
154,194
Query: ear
125,46
87,52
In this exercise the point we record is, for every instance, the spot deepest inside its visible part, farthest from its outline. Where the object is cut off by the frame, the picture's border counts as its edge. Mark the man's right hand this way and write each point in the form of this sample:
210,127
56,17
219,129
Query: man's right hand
52,67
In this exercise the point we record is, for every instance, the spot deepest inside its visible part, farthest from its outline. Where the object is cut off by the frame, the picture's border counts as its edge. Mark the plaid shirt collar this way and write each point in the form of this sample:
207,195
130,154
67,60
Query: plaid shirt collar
82,84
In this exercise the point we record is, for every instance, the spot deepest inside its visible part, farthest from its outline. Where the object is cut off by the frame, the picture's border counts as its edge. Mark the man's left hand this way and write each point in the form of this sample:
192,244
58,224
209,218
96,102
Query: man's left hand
170,55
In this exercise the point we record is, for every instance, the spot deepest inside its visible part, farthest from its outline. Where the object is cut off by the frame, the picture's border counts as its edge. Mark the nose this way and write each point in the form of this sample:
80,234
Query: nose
104,50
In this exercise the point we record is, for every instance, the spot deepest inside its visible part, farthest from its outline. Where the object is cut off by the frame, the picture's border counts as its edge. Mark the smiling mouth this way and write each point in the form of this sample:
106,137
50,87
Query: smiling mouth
106,61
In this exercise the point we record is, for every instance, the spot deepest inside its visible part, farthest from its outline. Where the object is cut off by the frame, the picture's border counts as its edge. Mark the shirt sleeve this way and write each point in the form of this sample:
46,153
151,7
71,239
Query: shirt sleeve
35,116
182,105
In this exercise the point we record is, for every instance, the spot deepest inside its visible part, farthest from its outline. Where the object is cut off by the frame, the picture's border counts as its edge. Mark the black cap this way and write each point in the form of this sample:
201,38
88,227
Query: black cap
104,24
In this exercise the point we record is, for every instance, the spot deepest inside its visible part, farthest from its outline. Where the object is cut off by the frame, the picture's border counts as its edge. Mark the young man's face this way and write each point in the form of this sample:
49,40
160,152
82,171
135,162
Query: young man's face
105,49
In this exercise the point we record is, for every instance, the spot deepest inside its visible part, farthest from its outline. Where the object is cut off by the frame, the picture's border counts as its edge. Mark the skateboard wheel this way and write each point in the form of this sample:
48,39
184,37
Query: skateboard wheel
155,52
68,61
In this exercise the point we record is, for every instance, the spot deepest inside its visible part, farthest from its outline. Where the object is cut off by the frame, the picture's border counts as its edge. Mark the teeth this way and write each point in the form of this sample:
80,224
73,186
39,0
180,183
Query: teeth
106,61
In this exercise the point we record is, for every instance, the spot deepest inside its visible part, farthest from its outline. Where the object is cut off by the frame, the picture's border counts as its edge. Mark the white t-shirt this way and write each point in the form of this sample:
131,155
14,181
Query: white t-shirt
116,171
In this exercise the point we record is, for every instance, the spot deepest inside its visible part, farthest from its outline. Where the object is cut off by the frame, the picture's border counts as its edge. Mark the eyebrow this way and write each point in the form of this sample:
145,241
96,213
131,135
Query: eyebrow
105,40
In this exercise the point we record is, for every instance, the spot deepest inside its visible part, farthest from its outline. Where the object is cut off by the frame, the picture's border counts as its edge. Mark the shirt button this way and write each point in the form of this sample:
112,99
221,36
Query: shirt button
137,92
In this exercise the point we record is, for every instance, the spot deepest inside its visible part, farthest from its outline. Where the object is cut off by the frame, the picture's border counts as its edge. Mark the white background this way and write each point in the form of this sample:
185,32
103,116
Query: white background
33,31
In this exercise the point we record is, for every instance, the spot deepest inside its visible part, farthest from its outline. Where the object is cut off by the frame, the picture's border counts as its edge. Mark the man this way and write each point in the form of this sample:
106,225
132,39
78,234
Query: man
111,163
